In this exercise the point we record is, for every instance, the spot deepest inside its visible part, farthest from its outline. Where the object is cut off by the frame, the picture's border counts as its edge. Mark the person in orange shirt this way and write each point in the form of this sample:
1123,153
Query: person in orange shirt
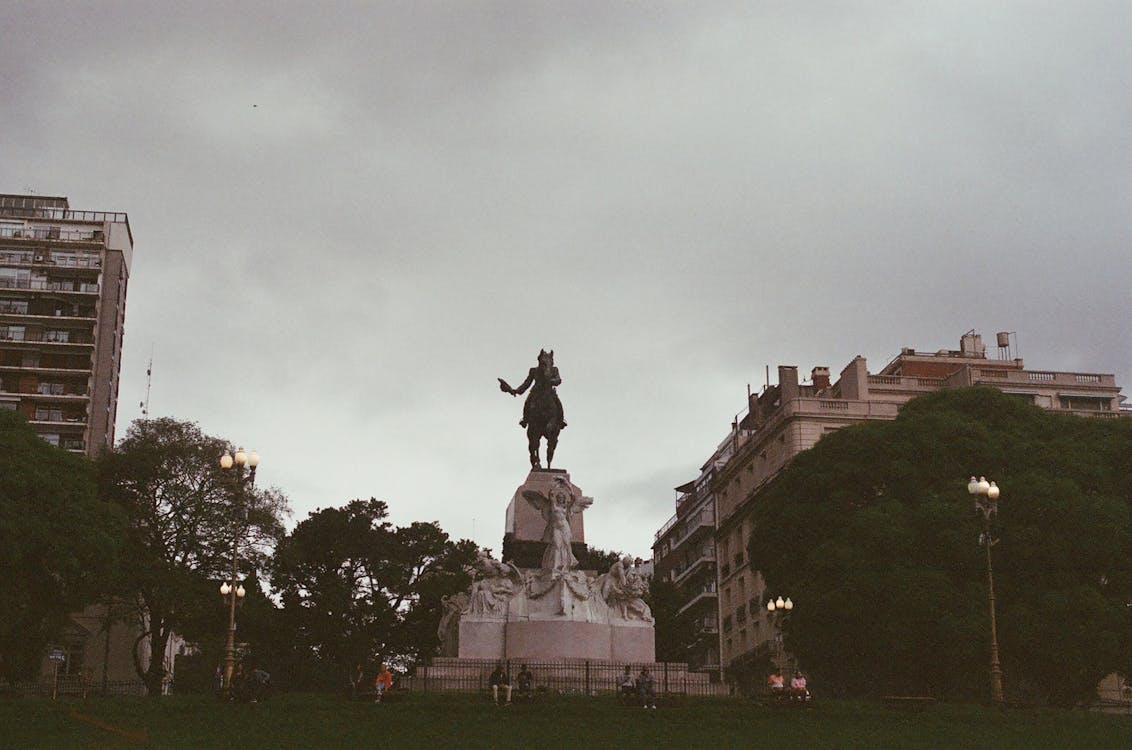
383,682
776,683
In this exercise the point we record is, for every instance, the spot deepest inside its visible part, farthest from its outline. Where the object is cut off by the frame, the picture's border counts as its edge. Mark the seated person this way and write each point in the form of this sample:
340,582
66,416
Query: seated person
500,682
381,683
628,685
798,689
646,688
776,683
526,684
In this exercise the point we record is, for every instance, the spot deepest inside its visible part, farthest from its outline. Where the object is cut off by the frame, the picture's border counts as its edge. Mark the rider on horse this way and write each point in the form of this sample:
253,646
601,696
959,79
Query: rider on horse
542,411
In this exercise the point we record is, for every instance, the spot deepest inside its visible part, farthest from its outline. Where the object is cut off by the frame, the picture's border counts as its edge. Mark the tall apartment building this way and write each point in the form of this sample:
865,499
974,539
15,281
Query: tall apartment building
63,277
786,419
684,553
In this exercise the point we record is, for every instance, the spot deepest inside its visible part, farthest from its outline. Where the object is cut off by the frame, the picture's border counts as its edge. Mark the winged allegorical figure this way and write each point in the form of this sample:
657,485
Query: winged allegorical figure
556,510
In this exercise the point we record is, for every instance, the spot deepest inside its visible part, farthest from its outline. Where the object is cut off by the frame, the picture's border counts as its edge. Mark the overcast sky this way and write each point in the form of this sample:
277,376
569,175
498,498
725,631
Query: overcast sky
350,218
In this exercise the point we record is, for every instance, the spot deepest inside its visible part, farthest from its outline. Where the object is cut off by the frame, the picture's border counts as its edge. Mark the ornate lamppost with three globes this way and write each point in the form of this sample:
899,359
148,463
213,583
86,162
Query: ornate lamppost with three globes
243,465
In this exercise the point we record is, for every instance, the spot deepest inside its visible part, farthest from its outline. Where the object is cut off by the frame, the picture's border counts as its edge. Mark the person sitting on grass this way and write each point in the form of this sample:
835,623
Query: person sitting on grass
798,689
500,680
646,688
526,684
381,683
776,684
628,686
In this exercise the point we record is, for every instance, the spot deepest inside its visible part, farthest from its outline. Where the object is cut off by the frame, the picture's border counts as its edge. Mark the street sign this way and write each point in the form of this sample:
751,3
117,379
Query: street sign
57,654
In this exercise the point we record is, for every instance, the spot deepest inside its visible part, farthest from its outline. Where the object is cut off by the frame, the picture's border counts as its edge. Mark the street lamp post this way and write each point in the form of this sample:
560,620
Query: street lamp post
986,502
233,589
777,609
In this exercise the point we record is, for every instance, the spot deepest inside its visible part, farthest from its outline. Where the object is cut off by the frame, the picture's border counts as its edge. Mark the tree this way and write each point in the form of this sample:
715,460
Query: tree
183,512
674,634
354,587
57,543
873,533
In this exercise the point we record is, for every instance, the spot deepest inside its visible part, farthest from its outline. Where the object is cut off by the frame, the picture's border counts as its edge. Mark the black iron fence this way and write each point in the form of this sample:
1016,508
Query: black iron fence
558,677
73,687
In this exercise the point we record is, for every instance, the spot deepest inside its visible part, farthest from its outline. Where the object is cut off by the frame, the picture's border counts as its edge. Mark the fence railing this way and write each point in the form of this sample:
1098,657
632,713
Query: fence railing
560,677
73,687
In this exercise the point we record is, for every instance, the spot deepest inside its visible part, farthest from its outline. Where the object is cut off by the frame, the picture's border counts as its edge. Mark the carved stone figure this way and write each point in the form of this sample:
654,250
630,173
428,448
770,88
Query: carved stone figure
623,590
556,510
494,586
542,412
449,629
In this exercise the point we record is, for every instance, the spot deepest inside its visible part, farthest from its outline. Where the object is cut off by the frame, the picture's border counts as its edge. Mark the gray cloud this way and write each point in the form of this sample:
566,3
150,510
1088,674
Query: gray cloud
350,218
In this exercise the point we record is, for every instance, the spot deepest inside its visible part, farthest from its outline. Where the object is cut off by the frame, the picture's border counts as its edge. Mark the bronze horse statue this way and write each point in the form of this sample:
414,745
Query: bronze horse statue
542,412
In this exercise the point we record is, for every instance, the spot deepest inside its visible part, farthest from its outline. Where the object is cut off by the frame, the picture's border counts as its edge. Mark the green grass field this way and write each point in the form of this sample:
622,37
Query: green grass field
435,721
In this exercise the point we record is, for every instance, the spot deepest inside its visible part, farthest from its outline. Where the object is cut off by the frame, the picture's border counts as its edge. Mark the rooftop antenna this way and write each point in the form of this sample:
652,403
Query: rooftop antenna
148,384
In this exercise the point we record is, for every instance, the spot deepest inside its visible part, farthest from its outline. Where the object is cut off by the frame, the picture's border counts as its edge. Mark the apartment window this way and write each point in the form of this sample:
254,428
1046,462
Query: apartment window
19,307
43,414
12,333
8,405
15,277
57,336
50,437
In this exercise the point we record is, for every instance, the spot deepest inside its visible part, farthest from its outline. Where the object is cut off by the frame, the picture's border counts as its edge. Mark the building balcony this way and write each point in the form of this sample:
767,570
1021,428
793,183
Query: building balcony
46,370
701,599
1077,380
63,397
706,558
49,285
36,258
693,529
904,384
53,234
48,337
62,214
57,420
37,317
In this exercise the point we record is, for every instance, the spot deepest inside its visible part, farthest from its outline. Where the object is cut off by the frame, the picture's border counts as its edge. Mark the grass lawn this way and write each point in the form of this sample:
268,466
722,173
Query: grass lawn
460,721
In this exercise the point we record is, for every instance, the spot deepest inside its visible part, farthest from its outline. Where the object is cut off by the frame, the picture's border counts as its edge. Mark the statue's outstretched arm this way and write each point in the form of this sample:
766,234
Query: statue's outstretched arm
521,389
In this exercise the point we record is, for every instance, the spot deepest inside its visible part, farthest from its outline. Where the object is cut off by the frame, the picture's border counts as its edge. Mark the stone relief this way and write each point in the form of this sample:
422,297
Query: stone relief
623,590
493,588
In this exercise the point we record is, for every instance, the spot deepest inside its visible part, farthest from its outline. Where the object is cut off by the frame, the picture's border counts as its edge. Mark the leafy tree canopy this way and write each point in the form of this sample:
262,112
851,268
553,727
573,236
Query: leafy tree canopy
355,588
57,543
184,512
874,536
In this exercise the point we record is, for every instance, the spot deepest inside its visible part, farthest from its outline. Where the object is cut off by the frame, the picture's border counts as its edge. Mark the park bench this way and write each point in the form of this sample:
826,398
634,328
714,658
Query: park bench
908,702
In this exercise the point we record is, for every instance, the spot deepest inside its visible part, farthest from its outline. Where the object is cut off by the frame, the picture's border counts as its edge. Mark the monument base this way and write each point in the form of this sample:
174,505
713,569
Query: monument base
559,638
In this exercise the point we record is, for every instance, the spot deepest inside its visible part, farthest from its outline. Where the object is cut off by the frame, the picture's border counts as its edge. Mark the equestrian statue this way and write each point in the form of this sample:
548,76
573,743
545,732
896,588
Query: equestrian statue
542,412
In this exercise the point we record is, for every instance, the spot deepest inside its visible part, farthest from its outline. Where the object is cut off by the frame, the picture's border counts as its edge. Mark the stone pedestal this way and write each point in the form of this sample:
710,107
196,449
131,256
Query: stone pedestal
543,639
